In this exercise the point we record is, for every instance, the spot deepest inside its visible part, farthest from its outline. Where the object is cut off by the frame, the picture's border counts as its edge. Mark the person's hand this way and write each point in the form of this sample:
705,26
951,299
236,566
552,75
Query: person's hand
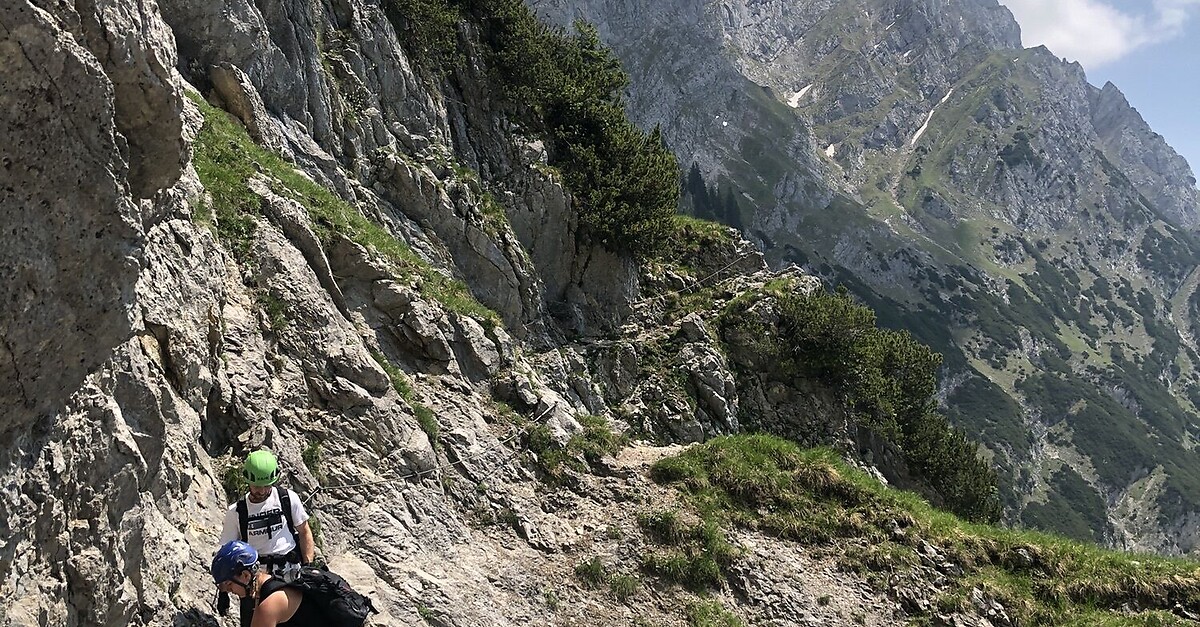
319,562
222,603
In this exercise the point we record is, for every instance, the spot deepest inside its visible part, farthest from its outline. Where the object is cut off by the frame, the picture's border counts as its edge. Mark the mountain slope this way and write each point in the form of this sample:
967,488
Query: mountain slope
1023,222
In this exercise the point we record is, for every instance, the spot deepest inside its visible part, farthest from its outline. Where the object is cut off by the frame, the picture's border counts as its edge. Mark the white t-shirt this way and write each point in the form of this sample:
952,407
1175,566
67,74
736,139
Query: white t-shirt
266,528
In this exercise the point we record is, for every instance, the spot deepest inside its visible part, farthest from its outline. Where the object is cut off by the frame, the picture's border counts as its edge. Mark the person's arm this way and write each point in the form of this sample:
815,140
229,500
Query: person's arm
230,530
304,536
307,546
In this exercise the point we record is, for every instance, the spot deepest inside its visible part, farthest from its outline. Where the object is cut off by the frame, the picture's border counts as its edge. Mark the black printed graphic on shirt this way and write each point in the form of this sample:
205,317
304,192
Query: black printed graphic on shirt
265,523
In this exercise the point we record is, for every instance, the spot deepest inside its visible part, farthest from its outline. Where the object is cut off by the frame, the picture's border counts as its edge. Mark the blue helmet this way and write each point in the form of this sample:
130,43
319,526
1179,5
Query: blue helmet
232,559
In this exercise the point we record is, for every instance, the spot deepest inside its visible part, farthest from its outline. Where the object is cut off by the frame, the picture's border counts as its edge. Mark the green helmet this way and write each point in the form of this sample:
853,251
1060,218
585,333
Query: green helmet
261,468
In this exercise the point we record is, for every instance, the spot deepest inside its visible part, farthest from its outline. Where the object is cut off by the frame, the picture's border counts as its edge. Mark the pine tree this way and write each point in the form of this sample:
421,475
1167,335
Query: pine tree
730,211
567,88
697,192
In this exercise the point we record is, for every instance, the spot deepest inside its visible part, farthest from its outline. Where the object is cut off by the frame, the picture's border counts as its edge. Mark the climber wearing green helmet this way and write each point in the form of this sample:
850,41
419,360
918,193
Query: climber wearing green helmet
270,519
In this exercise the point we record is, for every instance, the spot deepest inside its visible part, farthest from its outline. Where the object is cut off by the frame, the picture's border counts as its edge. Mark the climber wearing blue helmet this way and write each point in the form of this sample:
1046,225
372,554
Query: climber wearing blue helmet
236,571
230,561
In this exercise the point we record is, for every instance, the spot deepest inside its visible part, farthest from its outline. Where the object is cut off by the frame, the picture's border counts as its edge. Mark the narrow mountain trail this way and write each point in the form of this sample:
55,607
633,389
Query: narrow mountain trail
782,583
551,531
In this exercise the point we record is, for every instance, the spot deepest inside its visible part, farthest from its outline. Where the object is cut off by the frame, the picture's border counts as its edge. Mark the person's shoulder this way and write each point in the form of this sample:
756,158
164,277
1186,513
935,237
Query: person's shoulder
297,503
274,606
280,604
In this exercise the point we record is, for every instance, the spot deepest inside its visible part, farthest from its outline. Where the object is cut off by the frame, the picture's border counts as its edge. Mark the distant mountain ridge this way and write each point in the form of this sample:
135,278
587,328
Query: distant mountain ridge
1027,224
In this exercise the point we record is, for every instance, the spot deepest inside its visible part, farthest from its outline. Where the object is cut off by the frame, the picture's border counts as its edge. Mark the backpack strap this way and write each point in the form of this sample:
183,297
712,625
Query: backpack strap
243,511
269,587
285,503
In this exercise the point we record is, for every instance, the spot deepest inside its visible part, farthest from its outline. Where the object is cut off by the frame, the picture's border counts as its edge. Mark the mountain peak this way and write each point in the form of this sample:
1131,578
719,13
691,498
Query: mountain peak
1111,92
1161,174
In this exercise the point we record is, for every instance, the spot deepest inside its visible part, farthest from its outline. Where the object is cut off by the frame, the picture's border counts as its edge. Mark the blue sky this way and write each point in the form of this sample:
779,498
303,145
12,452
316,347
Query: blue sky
1150,49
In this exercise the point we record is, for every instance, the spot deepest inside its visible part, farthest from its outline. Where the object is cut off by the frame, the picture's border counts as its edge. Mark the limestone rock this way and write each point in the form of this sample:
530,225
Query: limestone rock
136,49
74,232
239,97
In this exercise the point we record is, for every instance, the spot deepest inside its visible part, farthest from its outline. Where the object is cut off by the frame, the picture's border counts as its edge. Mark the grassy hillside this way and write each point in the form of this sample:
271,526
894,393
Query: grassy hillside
903,545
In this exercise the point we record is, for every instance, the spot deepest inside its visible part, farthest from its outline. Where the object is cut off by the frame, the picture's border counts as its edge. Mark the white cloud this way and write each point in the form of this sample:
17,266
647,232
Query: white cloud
1094,32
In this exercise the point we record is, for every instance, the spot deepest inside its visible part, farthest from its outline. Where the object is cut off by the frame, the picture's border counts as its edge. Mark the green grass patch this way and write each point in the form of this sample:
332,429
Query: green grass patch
624,586
692,236
585,448
400,381
711,614
495,218
401,384
312,460
550,456
275,309
597,439
694,554
428,422
233,479
314,525
225,159
697,250
592,572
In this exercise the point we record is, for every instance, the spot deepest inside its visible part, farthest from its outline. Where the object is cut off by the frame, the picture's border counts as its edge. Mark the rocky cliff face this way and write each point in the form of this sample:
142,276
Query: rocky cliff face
143,345
1027,224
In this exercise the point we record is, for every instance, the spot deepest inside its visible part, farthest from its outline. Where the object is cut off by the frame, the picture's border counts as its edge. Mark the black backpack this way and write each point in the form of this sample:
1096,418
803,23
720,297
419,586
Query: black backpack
341,605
